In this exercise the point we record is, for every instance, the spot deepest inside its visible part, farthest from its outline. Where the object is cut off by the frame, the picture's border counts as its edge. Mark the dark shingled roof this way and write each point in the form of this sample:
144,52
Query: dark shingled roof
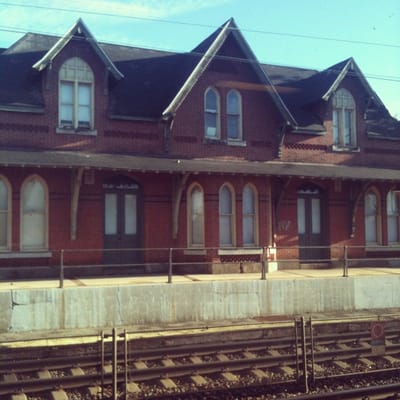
152,79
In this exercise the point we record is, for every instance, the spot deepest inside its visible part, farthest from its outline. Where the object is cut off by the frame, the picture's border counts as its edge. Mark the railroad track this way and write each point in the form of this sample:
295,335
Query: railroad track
262,365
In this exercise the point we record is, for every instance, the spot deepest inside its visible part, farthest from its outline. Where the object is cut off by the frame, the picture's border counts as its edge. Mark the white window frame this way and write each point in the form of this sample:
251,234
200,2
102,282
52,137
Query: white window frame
227,217
212,112
195,216
78,75
250,215
6,213
344,120
43,212
235,114
393,217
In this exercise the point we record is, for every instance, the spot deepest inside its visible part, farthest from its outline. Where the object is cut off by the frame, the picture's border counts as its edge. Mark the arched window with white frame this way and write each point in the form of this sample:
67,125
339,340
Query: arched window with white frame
76,94
234,115
249,214
372,215
226,216
392,214
5,214
344,119
195,212
34,214
211,114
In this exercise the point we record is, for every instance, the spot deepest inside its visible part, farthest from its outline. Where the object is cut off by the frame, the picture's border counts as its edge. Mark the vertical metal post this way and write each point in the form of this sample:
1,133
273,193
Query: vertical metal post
312,352
115,364
126,363
304,354
102,364
296,336
345,263
263,264
61,284
170,266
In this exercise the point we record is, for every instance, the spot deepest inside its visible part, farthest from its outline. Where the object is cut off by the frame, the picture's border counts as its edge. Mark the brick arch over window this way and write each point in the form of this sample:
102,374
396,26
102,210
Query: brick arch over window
5,213
76,94
34,214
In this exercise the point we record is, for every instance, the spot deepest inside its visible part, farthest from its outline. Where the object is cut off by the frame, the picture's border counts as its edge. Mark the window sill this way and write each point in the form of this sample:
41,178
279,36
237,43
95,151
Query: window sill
239,252
377,248
238,143
195,252
73,131
25,254
345,149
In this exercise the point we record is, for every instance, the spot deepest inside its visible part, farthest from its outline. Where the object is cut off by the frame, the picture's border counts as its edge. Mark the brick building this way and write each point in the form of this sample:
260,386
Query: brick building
106,147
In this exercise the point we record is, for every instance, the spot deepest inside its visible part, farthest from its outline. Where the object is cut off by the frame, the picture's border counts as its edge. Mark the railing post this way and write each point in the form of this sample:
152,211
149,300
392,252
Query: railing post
170,266
345,263
61,285
263,264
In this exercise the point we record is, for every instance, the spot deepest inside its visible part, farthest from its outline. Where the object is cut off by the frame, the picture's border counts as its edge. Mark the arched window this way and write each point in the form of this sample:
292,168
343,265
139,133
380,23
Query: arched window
34,199
372,212
211,114
195,205
250,218
5,214
226,216
344,119
76,93
392,213
234,115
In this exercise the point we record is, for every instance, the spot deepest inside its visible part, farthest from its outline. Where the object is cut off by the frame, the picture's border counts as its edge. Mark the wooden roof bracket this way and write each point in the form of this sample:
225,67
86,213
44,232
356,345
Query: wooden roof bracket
354,202
77,175
177,191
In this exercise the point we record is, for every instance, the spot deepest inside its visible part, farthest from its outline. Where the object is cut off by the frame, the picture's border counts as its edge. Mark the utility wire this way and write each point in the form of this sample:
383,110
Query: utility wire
166,21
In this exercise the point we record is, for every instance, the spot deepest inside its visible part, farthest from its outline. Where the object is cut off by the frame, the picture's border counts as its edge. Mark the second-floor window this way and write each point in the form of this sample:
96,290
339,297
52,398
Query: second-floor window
344,119
5,214
76,95
211,114
233,115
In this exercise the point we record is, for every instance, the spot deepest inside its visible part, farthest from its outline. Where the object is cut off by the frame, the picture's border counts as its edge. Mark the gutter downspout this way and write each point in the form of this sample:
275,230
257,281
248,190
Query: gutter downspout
169,122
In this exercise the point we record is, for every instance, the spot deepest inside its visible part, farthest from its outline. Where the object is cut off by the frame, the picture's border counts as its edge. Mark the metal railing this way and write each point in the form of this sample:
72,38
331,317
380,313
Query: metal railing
170,262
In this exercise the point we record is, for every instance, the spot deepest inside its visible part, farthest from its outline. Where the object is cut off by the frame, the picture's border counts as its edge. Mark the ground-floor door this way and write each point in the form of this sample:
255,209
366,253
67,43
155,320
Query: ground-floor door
122,222
310,223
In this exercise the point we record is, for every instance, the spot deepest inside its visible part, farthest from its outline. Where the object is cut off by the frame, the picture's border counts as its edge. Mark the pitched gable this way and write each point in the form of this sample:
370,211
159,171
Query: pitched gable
78,30
209,49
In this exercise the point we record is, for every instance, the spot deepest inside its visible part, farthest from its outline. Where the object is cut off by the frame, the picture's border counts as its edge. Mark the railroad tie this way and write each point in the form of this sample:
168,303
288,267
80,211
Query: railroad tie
44,374
222,357
259,374
107,369
77,371
167,362
391,359
10,378
318,368
368,363
94,391
341,364
168,383
342,346
229,376
196,360
198,380
249,355
59,395
140,365
132,387
287,370
274,353
19,396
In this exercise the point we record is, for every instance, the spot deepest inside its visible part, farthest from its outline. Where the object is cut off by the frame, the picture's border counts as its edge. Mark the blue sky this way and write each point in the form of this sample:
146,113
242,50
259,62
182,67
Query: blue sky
303,33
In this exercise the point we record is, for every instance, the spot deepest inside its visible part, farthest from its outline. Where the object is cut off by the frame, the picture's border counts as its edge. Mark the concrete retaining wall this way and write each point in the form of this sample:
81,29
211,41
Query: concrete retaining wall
155,304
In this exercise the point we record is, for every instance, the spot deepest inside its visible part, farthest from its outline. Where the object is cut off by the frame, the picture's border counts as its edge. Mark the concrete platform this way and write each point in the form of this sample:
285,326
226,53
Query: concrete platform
146,301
